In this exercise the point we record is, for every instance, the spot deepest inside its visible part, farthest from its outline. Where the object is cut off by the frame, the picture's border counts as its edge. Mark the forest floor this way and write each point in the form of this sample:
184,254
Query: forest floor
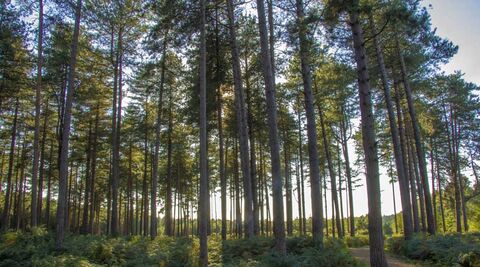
363,255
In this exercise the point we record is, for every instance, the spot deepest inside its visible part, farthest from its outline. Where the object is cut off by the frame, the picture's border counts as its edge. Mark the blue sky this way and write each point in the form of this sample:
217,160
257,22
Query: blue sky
459,21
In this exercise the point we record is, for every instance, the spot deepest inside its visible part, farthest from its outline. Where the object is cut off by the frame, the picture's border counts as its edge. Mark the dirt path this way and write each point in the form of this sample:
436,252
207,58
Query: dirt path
363,254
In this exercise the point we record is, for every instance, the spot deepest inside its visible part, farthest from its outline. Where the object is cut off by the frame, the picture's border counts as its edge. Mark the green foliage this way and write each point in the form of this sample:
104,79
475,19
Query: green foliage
356,241
37,248
440,250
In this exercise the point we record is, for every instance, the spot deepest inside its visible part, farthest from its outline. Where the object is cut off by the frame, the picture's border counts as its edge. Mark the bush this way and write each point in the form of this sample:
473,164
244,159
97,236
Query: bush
439,250
37,248
356,241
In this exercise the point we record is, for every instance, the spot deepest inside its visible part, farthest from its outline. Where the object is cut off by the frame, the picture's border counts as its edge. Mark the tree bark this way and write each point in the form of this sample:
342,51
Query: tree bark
116,148
49,186
88,152
288,187
203,206
93,173
300,155
377,254
413,187
440,195
453,175
153,198
63,173
6,207
418,183
333,182
42,165
144,216
434,194
266,62
348,172
242,123
316,191
36,135
418,142
397,150
168,199
222,156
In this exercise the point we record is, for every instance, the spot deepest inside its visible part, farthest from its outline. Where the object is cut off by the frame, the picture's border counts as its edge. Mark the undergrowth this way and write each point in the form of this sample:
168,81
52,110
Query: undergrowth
439,250
37,248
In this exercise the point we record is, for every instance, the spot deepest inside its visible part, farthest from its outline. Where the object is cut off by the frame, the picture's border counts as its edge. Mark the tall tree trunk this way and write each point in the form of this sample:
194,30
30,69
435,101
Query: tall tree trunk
440,195
130,220
144,216
418,142
6,207
324,181
333,182
168,200
392,182
116,148
288,187
299,198
153,198
266,62
421,197
434,195
20,186
36,135
457,134
242,123
340,190
413,187
300,155
348,172
316,191
238,209
42,165
253,159
63,173
377,254
222,159
94,172
88,152
397,150
407,163
453,174
49,185
204,204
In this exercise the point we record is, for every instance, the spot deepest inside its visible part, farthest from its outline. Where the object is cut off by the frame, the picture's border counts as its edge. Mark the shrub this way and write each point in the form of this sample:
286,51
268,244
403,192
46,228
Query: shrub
439,250
356,241
37,248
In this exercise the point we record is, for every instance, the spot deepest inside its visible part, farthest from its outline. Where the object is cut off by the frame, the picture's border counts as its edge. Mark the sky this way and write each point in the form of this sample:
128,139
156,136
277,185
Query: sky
458,21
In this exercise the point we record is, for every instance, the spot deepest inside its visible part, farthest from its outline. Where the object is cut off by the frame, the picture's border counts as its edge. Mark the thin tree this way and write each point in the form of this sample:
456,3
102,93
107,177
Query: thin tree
63,173
266,62
399,163
242,122
418,143
153,198
6,208
203,206
38,100
316,191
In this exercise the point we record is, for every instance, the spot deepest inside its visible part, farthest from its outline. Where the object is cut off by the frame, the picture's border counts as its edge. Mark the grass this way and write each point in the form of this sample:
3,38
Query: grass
37,248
